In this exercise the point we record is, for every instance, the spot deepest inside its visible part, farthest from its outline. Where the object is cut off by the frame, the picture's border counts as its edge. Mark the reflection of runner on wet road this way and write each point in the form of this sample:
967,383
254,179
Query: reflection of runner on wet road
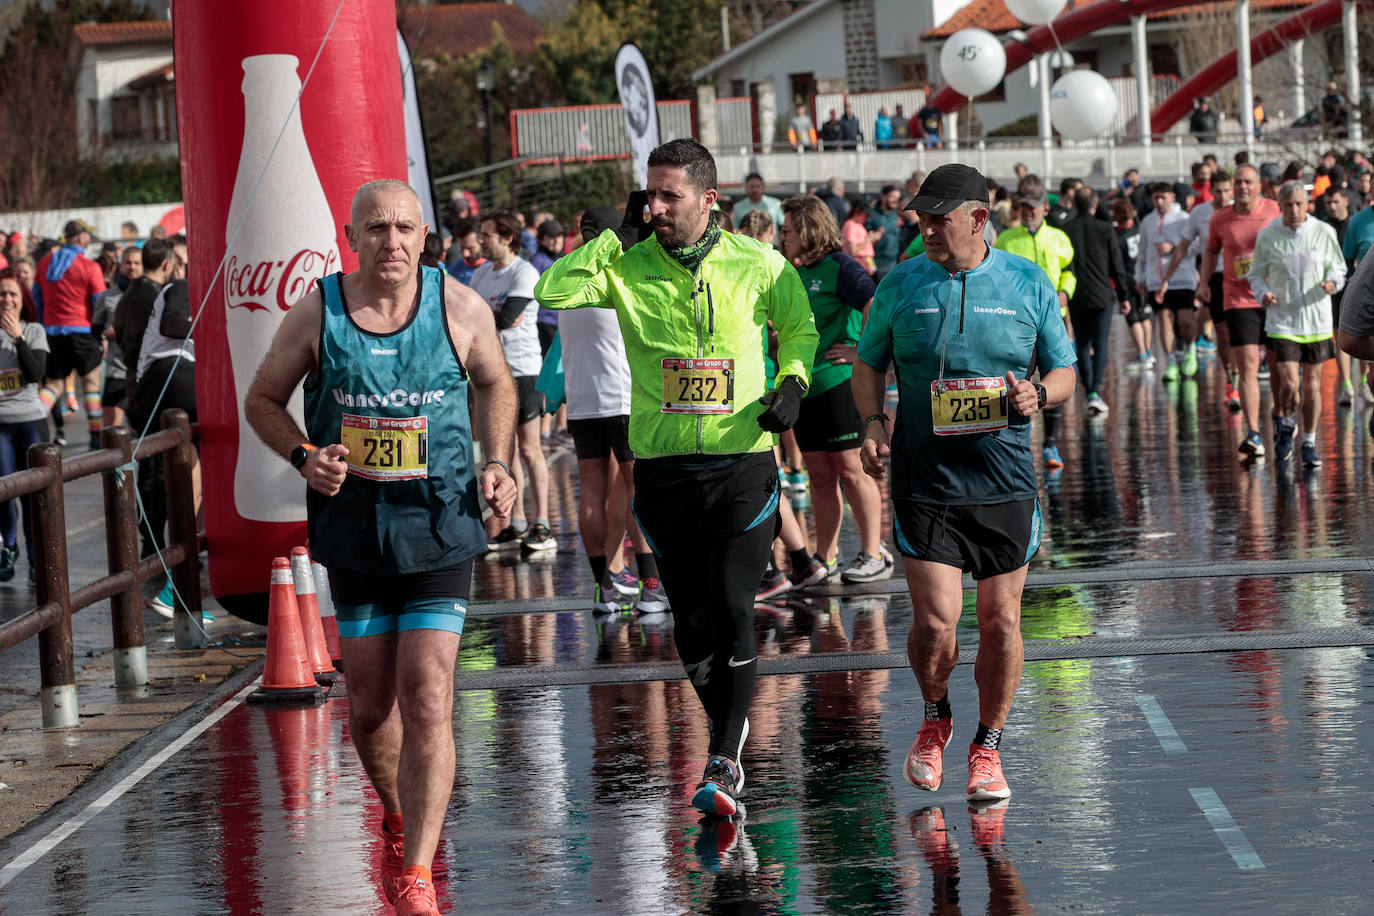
693,304
964,325
388,353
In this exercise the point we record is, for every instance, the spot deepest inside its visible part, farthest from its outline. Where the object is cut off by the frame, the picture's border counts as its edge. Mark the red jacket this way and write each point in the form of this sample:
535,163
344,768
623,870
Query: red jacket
67,301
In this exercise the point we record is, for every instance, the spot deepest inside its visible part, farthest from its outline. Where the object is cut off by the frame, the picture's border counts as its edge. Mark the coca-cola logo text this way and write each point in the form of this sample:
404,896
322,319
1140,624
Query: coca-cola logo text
255,285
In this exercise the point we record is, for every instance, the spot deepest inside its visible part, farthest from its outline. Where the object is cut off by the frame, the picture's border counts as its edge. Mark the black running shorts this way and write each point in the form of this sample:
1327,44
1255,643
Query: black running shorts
1246,327
829,421
1290,351
602,437
530,399
983,540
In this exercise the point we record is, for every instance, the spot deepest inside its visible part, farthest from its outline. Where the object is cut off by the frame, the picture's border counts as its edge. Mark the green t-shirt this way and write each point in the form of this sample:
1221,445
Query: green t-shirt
839,288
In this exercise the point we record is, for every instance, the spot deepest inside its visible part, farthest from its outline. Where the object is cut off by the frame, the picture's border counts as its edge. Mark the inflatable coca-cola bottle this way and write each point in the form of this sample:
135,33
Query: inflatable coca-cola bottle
270,264
268,178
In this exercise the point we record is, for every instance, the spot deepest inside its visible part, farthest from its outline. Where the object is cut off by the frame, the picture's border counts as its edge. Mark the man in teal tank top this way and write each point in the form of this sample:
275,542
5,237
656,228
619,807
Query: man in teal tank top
387,353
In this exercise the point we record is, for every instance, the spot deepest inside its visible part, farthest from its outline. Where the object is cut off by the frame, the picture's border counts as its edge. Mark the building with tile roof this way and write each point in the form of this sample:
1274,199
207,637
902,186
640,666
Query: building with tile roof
863,46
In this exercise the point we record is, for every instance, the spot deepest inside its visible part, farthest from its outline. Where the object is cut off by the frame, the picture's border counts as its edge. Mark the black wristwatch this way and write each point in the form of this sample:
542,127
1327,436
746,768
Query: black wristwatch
1041,396
299,454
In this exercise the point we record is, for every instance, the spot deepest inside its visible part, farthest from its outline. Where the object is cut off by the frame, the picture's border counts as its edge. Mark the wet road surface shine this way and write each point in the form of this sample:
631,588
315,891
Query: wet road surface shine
1230,781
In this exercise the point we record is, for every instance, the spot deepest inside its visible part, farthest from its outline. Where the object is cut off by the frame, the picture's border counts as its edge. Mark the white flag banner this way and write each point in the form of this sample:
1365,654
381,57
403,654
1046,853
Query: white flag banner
417,155
641,109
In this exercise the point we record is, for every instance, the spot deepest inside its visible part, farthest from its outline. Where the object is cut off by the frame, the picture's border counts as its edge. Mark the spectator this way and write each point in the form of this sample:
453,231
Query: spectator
757,224
432,255
882,129
1334,111
24,271
901,129
1259,117
1242,157
469,248
831,131
885,230
801,131
911,225
16,247
128,234
113,392
833,195
1270,179
930,118
1361,191
756,199
858,243
1020,170
1202,183
1063,210
550,237
851,135
23,418
1203,123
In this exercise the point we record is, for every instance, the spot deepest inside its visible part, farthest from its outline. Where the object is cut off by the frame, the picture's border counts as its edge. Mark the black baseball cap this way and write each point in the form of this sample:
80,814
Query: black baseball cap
947,187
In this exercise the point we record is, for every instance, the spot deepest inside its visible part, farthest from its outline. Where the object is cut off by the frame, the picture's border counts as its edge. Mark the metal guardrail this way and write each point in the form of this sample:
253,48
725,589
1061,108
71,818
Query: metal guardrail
51,619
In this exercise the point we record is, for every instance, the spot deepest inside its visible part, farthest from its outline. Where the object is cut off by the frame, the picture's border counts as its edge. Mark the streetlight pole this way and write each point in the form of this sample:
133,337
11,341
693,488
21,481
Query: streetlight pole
484,87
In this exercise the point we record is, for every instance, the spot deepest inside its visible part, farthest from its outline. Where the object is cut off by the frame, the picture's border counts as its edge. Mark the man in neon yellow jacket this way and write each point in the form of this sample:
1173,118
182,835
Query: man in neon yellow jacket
694,305
1043,244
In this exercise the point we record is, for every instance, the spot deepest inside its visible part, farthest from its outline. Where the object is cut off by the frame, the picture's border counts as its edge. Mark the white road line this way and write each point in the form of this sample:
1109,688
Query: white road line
1226,829
35,852
1160,725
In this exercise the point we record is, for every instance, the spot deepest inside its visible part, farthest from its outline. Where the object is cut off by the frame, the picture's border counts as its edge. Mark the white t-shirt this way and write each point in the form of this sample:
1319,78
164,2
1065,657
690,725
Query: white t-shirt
596,372
1150,264
1199,220
521,342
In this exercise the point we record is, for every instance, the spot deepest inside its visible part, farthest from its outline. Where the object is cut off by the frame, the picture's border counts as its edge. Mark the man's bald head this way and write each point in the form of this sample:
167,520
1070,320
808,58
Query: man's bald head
380,186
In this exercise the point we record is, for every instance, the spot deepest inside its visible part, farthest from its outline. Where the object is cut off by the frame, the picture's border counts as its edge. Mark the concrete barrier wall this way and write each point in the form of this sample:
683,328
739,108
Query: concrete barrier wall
106,220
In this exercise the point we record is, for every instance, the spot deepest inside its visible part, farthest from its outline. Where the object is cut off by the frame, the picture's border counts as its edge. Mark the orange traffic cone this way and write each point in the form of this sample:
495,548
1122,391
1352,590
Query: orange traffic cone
286,677
317,653
325,600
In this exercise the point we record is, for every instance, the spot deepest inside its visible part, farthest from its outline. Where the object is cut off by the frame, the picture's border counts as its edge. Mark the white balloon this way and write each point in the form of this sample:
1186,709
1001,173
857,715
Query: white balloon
973,61
1035,12
1082,104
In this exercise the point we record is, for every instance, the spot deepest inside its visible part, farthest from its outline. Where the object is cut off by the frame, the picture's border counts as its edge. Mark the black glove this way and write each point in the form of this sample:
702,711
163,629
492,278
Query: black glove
783,404
634,228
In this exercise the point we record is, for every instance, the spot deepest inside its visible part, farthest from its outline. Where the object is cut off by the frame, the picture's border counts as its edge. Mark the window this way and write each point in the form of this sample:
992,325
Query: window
736,88
1164,60
803,88
126,122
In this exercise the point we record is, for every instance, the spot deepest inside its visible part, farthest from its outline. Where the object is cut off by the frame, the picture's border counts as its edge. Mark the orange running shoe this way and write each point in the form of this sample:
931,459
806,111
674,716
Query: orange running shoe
925,760
985,782
416,897
1232,397
393,861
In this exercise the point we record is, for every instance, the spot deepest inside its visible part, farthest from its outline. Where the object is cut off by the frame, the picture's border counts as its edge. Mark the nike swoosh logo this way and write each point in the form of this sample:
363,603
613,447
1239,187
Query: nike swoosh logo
734,664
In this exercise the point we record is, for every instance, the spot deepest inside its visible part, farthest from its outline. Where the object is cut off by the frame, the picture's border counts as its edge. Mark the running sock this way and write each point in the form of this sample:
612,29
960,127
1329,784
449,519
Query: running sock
1309,438
93,412
987,737
544,522
598,567
520,524
939,709
801,559
391,821
647,566
417,871
47,397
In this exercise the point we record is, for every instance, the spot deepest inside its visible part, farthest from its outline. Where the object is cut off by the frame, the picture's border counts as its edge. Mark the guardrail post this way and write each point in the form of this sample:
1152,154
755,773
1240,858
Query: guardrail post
57,671
181,525
121,547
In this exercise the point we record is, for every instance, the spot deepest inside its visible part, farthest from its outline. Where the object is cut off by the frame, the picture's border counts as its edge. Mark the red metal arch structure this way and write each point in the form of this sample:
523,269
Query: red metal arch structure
1089,18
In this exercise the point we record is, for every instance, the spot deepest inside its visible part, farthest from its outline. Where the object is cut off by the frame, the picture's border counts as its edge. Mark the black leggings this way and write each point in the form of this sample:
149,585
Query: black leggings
1092,329
711,524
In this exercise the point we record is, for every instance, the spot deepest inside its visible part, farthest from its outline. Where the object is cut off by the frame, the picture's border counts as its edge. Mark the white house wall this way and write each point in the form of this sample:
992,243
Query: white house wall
814,46
106,72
